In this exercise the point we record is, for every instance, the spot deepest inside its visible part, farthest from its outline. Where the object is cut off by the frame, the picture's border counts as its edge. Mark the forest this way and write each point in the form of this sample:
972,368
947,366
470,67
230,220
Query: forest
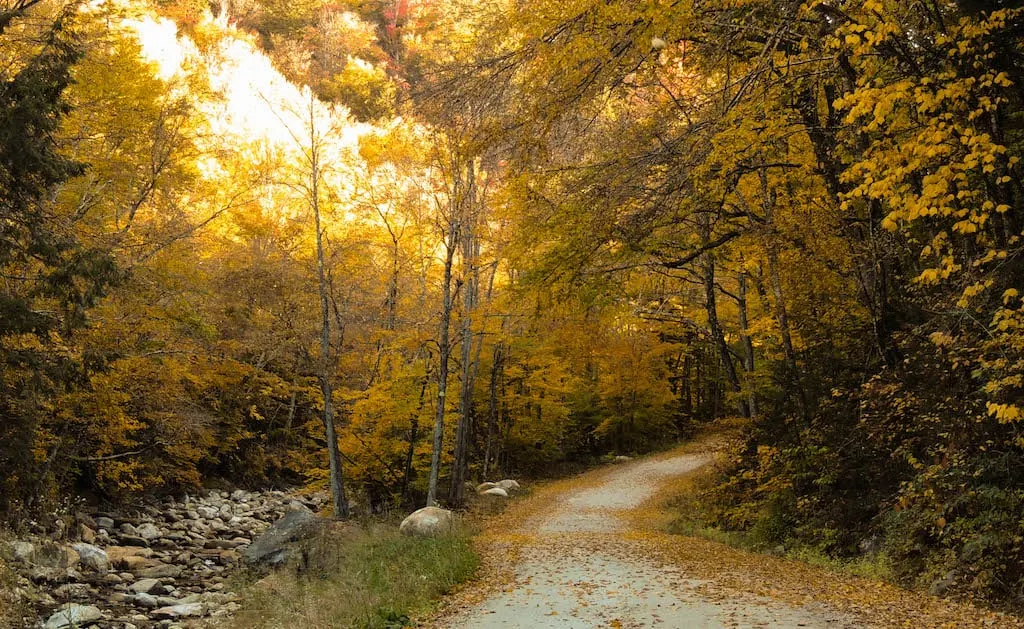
387,248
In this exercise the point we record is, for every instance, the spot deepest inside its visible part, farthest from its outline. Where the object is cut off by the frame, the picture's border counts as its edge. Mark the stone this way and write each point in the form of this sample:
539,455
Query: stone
23,551
73,590
427,522
112,578
159,571
133,540
142,599
188,610
277,544
206,513
482,487
222,544
107,524
86,534
622,458
74,615
128,529
509,485
149,531
54,556
496,491
144,586
93,557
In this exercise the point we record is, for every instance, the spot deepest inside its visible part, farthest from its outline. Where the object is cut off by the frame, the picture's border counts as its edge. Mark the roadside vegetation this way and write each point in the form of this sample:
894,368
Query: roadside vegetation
367,576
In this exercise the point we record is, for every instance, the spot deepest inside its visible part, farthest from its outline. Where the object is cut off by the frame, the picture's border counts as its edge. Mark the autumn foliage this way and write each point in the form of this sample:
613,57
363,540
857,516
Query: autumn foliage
535,234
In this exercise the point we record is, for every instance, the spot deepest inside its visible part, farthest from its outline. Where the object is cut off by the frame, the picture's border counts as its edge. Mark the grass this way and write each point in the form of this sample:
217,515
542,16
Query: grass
367,576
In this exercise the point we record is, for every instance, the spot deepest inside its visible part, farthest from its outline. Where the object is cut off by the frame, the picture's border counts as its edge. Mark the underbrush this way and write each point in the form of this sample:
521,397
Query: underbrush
366,576
697,514
15,609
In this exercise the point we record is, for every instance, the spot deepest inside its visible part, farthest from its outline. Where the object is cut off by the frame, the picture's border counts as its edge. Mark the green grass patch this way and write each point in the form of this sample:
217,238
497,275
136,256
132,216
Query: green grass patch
367,576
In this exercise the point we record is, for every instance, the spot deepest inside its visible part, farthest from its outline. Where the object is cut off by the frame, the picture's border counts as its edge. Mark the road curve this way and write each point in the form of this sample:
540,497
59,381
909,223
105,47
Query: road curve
582,563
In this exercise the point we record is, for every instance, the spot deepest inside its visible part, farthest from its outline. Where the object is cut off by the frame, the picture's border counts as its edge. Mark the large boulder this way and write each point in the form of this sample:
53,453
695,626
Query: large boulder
92,557
72,615
278,543
509,485
23,551
482,487
427,522
497,492
52,555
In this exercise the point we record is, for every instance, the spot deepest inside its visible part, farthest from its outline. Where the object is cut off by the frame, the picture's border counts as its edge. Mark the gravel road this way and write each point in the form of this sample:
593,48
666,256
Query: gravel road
580,569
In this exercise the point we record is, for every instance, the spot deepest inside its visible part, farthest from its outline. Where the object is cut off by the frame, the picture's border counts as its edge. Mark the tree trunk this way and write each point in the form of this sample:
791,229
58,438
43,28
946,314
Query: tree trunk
782,318
444,346
333,452
748,343
715,327
492,415
460,464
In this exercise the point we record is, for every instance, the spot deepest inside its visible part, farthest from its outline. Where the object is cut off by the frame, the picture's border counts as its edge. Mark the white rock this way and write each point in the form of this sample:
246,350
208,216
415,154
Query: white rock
148,531
496,491
23,551
482,487
74,615
93,557
509,485
427,522
179,611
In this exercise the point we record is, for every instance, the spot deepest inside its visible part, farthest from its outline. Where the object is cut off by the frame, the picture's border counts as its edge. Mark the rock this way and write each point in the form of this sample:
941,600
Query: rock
112,578
942,586
509,485
496,491
144,586
73,615
482,487
86,534
73,590
23,551
206,513
53,556
128,529
622,458
142,599
133,540
428,522
159,571
188,610
107,524
277,543
93,557
149,531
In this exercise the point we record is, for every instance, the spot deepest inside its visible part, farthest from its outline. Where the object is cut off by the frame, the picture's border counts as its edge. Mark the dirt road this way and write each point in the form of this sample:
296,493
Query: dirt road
580,554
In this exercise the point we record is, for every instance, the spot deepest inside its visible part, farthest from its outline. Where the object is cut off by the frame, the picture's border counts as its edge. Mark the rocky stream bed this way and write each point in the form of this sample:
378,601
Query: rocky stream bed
161,566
